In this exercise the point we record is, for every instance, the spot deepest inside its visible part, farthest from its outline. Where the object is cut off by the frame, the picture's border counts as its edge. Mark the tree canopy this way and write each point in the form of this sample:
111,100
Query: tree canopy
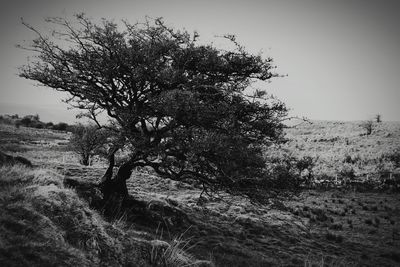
184,108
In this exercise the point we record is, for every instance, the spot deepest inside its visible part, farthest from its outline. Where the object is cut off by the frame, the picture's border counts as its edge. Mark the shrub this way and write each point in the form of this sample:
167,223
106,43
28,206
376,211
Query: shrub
394,157
32,121
37,124
347,172
368,126
26,121
283,172
49,125
5,120
306,163
289,171
61,126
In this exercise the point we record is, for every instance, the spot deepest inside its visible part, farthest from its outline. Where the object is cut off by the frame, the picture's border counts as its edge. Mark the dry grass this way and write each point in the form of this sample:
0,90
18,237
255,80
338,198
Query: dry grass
171,254
330,226
44,224
337,146
174,253
29,235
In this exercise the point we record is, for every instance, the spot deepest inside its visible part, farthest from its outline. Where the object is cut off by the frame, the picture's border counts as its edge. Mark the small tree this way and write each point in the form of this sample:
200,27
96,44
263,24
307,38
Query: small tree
378,118
183,108
368,126
87,141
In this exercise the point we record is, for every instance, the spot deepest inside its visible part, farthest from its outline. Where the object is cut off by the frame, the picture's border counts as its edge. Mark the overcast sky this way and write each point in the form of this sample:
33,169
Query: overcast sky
342,57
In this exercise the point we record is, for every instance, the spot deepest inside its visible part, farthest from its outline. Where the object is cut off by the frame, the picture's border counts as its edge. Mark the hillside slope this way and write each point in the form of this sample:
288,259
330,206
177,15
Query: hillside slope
42,223
337,227
339,146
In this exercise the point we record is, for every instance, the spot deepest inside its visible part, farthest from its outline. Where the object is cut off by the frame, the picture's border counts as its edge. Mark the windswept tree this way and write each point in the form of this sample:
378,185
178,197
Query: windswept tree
184,108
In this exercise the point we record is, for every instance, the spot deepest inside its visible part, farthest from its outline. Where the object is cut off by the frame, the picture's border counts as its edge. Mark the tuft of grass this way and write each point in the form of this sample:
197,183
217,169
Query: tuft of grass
175,253
171,254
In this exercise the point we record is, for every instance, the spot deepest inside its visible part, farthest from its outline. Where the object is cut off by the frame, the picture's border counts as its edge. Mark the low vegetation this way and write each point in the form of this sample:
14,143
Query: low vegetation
43,223
336,227
33,121
341,153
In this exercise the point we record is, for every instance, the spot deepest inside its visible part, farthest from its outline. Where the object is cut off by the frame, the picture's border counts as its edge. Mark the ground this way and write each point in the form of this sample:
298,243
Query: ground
338,227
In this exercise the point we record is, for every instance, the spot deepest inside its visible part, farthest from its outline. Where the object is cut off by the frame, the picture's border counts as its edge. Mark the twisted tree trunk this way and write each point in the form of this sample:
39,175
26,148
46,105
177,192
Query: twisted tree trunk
111,163
85,160
115,188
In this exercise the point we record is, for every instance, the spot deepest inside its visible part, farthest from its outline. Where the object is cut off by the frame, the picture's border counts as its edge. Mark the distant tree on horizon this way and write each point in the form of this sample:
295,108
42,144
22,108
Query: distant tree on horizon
184,108
378,118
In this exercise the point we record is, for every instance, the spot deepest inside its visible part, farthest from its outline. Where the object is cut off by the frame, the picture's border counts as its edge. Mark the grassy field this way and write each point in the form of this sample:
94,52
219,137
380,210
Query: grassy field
337,146
338,227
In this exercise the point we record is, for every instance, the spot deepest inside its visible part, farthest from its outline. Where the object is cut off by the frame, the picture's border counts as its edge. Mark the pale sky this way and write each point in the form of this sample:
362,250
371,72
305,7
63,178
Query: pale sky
342,57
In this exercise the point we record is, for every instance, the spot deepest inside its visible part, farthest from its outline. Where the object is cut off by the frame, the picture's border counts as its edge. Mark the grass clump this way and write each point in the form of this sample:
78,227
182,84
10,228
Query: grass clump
172,254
